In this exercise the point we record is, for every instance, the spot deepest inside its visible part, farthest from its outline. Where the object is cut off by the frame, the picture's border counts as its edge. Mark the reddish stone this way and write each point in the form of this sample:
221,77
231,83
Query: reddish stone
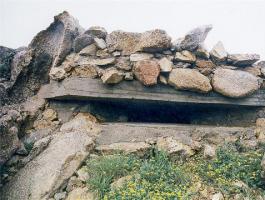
147,71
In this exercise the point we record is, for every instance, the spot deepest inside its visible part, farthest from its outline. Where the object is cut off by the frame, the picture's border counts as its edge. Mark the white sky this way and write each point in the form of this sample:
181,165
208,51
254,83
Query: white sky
239,24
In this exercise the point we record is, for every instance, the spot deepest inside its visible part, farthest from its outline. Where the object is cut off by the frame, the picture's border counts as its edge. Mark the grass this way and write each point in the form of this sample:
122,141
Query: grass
104,169
157,177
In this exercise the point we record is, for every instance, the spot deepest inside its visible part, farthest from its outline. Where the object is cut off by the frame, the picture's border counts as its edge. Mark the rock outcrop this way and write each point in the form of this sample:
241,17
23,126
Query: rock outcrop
49,48
56,164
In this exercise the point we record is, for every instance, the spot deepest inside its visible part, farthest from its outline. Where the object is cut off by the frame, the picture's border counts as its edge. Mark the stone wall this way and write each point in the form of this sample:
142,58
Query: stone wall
152,58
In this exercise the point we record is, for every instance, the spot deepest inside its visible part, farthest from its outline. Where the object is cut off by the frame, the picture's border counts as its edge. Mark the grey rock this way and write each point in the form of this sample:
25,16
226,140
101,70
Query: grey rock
116,53
154,41
202,53
140,56
174,147
218,53
6,56
200,63
234,83
97,31
9,141
57,73
218,196
82,174
89,71
163,80
112,76
123,63
60,196
185,56
261,64
95,61
194,38
103,53
182,65
81,194
128,76
128,42
22,151
242,59
209,151
100,43
38,147
165,65
254,69
82,41
74,182
44,175
21,60
123,41
139,148
90,50
49,48
189,79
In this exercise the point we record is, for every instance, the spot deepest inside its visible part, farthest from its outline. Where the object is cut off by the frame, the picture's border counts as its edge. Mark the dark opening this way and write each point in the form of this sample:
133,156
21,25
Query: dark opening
157,112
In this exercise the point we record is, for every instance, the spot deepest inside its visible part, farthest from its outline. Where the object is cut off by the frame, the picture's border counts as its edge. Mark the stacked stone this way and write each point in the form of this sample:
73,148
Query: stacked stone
152,58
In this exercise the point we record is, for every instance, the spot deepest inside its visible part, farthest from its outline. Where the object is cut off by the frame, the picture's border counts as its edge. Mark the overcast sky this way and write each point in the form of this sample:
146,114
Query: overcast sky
239,24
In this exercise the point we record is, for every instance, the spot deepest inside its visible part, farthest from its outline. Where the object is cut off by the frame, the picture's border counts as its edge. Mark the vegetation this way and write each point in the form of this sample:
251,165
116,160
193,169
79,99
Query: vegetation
231,172
104,169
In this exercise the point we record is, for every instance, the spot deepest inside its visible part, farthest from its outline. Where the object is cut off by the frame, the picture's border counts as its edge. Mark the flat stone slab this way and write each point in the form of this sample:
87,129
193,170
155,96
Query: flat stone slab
113,133
41,177
75,88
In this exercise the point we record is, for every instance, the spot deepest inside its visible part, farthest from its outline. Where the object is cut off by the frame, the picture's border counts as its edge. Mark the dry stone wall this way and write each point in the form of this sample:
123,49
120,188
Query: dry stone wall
152,58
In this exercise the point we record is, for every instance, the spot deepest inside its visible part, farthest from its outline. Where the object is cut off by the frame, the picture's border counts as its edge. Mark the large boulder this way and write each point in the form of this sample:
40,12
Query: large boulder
45,174
193,39
234,83
41,177
49,49
189,79
243,59
128,42
147,71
